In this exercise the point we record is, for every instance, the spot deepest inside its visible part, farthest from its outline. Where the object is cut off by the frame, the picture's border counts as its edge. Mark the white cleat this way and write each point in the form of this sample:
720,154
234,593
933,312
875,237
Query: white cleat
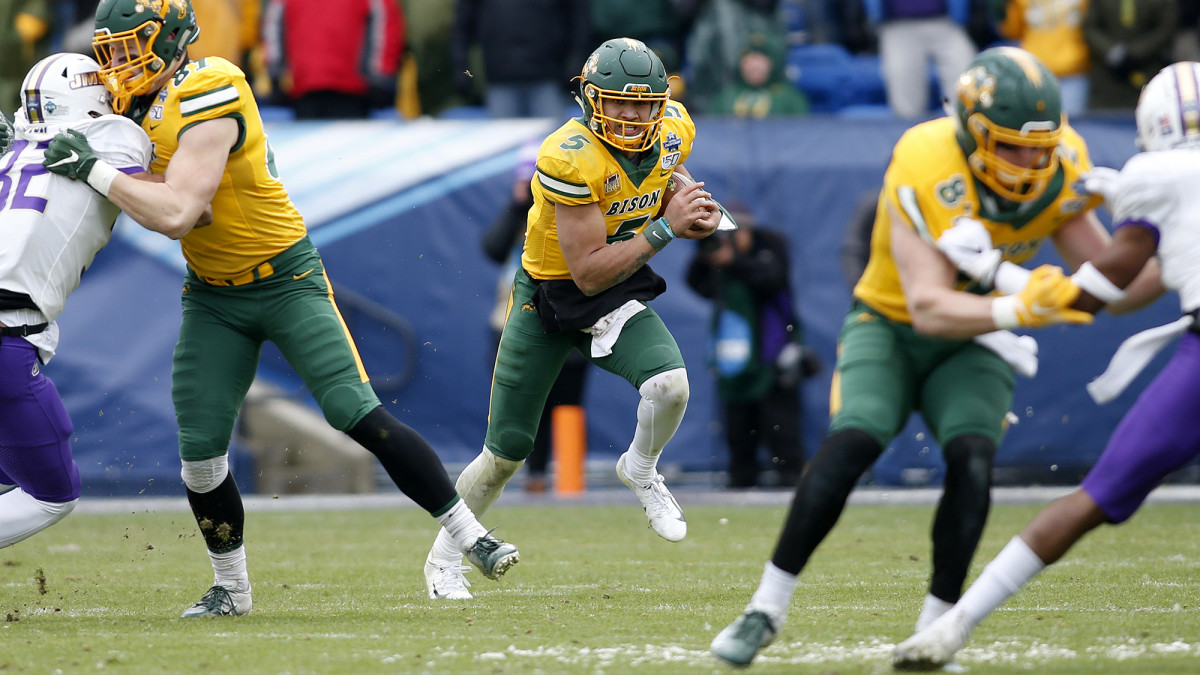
663,512
447,583
933,648
220,601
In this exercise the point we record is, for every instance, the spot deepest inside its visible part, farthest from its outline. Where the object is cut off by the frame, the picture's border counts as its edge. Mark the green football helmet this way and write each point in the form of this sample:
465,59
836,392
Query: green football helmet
1007,97
138,40
624,69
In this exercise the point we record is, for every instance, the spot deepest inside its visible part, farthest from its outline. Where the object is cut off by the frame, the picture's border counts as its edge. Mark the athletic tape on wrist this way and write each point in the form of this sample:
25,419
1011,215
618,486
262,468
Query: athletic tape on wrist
101,177
1092,280
1010,278
1004,312
659,234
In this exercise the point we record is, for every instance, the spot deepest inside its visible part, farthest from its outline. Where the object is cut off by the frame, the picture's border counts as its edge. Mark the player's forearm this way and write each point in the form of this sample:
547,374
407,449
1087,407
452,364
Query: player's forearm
945,313
609,265
156,206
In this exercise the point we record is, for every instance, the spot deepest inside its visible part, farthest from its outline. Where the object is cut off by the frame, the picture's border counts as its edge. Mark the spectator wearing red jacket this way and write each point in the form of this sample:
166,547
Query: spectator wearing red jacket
334,60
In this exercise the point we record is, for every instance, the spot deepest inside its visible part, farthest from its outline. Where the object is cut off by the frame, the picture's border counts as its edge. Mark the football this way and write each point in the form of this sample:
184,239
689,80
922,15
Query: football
675,183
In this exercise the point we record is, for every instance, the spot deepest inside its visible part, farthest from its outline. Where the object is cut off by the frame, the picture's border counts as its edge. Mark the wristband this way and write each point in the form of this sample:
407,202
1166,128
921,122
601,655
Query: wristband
1004,312
1010,278
659,234
101,177
1092,280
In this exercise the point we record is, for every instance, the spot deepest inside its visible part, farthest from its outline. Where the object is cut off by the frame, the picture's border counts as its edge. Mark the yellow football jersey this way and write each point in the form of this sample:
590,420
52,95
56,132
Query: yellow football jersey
575,167
929,184
253,217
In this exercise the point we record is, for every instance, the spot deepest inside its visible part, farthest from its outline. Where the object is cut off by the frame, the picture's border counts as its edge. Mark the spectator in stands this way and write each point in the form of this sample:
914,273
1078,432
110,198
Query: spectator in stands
761,89
1187,36
430,28
1130,41
222,21
717,39
334,64
912,35
1053,32
24,39
756,348
528,51
502,243
661,24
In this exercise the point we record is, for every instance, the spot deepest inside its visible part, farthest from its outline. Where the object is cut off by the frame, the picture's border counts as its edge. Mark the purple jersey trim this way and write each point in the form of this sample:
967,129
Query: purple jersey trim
1142,223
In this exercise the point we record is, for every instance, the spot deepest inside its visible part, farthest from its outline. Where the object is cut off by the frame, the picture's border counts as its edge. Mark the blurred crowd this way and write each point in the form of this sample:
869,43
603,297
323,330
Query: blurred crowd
747,58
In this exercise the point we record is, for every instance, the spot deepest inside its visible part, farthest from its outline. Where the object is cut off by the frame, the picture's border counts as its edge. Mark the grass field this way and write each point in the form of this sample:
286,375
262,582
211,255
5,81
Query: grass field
341,591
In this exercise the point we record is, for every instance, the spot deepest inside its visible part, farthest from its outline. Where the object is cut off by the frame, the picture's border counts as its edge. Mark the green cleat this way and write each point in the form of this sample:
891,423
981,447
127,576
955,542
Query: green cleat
493,556
741,640
220,601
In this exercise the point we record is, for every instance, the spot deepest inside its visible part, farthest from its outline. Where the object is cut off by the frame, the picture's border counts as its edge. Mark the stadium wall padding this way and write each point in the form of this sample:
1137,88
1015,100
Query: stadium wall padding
405,233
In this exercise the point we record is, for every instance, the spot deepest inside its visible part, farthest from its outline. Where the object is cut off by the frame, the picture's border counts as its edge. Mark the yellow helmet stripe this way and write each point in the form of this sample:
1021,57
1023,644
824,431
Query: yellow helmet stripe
1188,91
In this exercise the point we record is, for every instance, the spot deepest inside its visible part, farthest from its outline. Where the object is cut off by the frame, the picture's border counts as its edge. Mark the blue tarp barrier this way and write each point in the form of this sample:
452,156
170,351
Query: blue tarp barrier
404,233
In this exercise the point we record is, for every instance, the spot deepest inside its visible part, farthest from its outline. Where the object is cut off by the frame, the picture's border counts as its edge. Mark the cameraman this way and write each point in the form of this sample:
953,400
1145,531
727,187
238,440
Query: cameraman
755,348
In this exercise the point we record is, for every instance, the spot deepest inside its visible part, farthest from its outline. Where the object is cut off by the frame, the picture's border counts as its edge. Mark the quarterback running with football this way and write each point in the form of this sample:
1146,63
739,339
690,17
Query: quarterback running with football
252,275
1156,210
584,283
919,336
50,228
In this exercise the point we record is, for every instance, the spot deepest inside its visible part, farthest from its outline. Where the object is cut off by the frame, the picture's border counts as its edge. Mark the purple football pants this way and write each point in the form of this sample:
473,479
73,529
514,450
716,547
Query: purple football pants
35,430
1159,434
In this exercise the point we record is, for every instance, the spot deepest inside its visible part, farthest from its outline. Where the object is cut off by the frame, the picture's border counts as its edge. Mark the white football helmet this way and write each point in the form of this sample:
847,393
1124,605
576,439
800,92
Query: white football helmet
1168,111
63,88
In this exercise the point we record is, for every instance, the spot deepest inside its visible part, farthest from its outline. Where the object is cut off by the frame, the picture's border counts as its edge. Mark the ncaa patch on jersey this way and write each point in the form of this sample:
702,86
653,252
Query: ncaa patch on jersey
612,184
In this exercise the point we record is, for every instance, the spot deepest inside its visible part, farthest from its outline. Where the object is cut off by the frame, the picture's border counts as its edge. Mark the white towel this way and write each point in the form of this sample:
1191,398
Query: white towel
1131,358
606,331
1018,351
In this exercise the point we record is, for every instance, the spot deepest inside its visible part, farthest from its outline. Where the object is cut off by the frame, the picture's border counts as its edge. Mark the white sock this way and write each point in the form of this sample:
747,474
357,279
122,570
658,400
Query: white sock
459,530
931,610
1011,569
774,593
664,400
229,570
22,516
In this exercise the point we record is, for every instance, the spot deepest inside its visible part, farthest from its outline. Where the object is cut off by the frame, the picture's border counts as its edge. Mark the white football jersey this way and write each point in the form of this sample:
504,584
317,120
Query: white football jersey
51,227
1158,190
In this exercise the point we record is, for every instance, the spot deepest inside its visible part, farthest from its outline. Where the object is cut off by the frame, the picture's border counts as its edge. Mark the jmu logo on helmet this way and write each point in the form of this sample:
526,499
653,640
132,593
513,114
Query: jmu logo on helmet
82,80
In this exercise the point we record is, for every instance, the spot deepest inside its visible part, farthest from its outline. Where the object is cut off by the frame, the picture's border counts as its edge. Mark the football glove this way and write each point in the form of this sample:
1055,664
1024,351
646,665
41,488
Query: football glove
70,155
1045,300
968,245
6,134
1101,180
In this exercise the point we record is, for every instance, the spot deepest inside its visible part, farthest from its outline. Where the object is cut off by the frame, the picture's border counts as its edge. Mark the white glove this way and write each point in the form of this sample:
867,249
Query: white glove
1101,180
968,245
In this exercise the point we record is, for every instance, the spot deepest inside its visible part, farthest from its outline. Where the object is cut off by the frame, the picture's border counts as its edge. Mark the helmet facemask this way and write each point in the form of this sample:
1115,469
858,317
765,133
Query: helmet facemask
1011,181
637,135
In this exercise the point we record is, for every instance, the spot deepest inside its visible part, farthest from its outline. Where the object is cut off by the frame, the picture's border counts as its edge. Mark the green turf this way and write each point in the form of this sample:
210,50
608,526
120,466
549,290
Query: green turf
595,592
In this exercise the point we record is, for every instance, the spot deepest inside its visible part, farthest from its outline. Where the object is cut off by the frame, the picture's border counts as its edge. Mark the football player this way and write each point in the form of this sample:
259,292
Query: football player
1003,162
1155,206
256,254
52,228
584,283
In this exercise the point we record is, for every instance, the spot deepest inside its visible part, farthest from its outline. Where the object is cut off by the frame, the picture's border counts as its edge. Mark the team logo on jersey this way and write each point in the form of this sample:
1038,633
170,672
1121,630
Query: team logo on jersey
672,142
612,184
951,191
